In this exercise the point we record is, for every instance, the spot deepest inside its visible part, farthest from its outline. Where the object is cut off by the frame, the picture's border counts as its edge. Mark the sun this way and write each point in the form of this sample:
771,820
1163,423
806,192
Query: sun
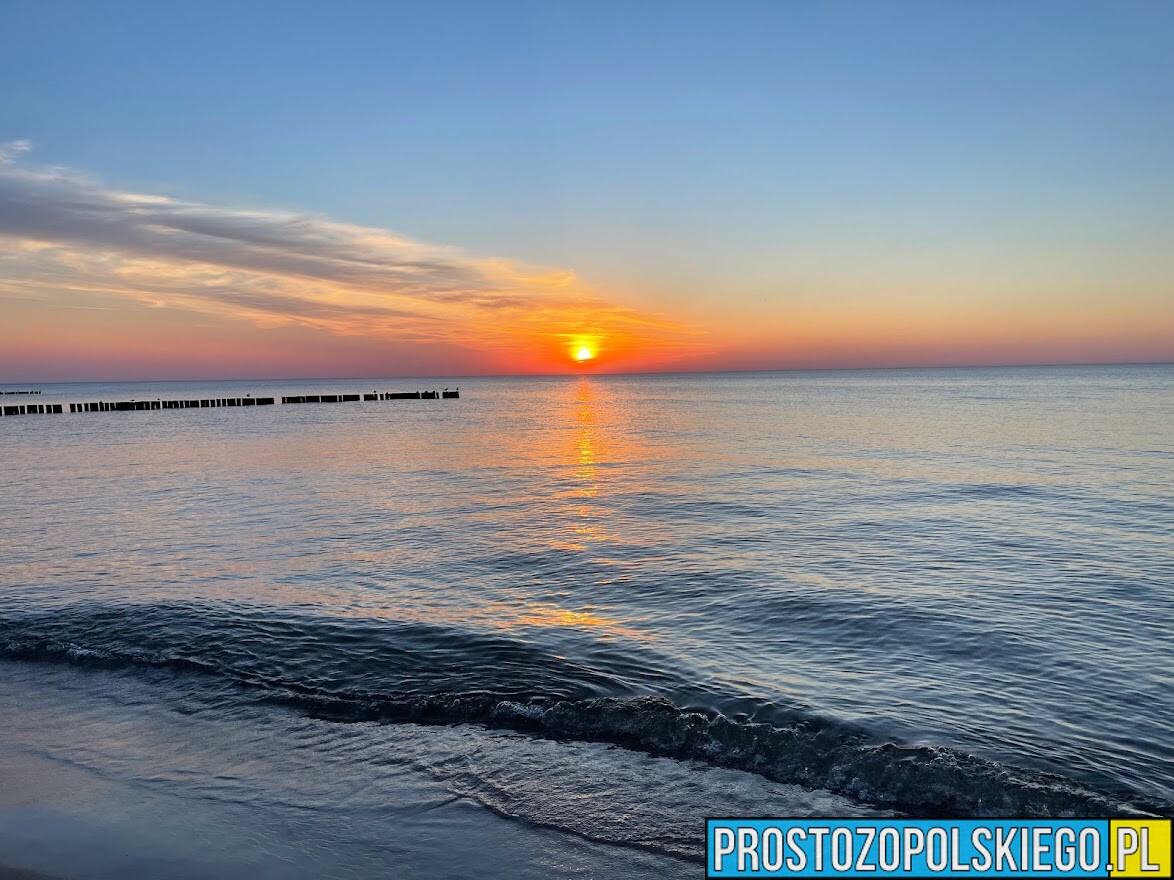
584,353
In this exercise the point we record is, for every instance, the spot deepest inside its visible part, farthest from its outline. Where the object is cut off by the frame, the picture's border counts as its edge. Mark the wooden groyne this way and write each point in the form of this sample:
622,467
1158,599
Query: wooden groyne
136,405
30,408
23,409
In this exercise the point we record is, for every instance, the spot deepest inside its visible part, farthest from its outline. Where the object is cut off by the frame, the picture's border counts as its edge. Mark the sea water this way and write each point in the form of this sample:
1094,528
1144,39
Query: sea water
558,621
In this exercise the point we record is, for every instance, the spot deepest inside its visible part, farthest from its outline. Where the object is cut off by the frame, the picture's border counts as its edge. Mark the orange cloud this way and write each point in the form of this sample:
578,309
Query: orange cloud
61,233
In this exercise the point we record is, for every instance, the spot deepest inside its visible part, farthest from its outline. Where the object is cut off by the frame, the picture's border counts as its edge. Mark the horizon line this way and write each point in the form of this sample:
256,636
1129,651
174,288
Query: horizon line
581,373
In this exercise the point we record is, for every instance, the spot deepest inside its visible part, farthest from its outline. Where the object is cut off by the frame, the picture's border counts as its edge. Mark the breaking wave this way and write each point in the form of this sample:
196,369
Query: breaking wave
285,660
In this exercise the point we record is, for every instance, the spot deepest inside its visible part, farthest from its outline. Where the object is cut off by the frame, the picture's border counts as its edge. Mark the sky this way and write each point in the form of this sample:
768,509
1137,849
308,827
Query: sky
255,190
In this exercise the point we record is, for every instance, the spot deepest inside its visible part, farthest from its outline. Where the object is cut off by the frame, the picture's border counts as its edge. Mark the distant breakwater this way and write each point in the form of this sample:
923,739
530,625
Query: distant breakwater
206,403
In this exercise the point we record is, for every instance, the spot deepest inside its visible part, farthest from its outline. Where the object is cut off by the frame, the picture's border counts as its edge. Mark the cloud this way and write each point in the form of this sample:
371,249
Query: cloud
62,231
12,149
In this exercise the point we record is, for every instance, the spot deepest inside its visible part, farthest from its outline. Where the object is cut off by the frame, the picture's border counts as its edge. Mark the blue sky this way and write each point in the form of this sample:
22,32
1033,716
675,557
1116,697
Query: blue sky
683,155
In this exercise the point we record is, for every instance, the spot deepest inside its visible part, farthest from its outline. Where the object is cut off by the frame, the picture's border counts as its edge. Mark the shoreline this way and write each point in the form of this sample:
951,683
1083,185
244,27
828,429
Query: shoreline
282,807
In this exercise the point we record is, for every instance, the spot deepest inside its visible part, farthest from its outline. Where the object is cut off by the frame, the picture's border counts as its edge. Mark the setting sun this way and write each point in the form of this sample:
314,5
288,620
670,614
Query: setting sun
583,353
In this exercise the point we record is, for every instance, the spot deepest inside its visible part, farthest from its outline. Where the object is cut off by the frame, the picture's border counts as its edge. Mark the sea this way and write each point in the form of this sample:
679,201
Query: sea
546,628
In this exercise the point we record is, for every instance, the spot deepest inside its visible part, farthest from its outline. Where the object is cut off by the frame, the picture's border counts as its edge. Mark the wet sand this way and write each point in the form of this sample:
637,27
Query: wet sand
75,816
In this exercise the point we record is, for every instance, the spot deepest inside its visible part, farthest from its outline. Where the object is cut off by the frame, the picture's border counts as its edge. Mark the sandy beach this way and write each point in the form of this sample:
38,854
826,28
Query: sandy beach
69,811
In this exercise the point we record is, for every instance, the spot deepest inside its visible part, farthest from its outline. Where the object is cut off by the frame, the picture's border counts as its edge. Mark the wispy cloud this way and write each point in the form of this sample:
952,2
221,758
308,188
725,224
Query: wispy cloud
11,149
63,231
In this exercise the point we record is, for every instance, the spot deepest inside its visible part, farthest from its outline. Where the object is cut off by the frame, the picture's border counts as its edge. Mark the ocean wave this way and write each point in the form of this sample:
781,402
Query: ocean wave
918,781
812,752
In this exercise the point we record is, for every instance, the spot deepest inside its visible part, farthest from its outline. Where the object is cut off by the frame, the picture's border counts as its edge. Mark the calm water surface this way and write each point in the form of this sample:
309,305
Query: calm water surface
938,591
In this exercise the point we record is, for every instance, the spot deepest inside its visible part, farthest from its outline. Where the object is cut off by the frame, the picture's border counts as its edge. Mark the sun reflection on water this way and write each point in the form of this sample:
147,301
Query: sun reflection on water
585,472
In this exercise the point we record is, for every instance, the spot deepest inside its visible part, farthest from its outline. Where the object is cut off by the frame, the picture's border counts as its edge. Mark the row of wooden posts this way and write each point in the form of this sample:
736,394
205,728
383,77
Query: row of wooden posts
137,405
